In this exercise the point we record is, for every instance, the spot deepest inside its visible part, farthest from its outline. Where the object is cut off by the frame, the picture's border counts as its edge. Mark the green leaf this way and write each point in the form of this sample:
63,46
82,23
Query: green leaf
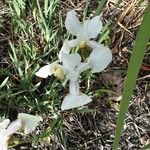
16,7
141,42
4,82
100,7
46,7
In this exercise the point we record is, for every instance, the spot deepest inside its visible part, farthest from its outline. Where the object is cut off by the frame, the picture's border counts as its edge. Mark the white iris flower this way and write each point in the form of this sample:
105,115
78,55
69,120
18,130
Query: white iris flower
6,130
71,69
72,66
29,122
84,31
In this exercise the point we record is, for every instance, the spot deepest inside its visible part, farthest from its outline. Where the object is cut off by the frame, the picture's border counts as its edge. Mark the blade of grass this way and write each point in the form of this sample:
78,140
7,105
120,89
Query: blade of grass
141,42
102,4
85,10
100,7
4,82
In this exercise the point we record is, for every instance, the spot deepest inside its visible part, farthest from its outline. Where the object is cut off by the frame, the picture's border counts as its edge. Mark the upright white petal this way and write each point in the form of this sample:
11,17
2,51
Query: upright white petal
71,61
90,29
99,58
14,127
29,122
72,101
72,23
45,71
4,123
94,27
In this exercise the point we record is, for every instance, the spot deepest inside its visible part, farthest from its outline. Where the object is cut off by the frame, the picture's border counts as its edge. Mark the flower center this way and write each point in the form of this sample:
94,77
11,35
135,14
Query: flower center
82,44
58,72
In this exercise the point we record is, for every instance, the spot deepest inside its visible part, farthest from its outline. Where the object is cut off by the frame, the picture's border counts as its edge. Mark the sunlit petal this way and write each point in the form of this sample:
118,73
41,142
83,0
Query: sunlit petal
94,44
45,71
90,29
74,88
67,45
14,127
72,101
71,61
72,23
4,123
99,58
3,140
83,34
4,146
29,122
94,27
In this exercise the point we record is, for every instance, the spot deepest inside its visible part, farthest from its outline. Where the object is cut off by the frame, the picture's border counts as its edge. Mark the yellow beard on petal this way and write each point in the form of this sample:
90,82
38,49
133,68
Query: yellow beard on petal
84,50
82,44
58,72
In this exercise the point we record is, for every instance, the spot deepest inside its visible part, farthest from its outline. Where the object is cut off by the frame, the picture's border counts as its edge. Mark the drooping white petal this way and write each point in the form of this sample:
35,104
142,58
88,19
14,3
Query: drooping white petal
99,58
29,121
67,45
45,71
4,123
74,88
72,101
5,132
94,27
70,61
14,127
72,23
4,145
3,139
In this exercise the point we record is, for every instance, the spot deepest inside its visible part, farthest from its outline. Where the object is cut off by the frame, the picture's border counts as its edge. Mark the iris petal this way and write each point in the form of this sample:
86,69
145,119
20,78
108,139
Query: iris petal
45,71
72,101
94,27
71,61
14,127
72,23
29,121
99,58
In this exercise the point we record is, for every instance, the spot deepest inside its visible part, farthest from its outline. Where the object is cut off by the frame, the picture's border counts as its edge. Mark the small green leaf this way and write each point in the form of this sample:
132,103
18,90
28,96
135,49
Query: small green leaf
4,82
141,42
